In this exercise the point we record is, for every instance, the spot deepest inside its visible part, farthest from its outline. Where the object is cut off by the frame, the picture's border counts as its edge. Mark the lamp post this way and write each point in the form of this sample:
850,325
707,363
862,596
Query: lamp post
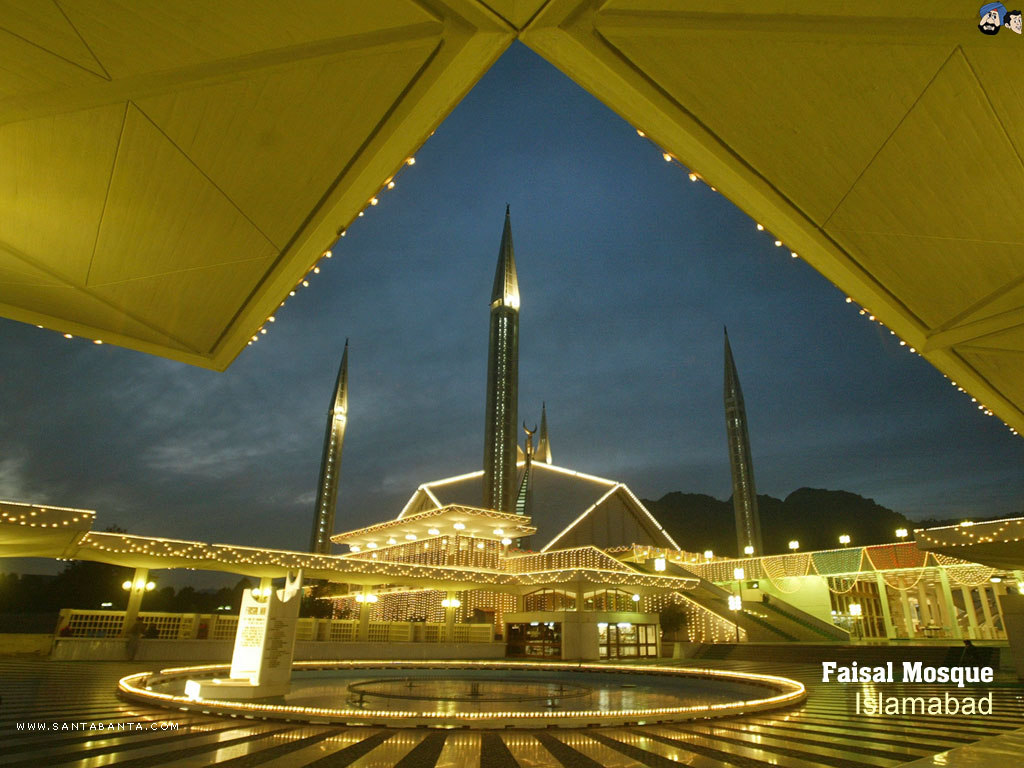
901,533
748,550
845,539
794,545
449,604
738,574
736,605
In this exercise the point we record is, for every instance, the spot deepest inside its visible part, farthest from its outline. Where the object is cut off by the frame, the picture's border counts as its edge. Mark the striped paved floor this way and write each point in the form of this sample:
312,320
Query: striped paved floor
824,731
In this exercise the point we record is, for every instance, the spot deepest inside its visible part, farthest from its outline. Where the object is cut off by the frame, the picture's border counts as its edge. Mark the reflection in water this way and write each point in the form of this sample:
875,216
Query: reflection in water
485,691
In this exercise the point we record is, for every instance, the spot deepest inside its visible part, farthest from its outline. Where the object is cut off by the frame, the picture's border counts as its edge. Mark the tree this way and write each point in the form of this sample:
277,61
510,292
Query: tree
672,619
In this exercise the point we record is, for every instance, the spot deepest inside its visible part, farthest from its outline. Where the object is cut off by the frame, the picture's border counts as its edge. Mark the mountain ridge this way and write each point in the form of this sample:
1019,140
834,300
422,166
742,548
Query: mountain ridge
815,517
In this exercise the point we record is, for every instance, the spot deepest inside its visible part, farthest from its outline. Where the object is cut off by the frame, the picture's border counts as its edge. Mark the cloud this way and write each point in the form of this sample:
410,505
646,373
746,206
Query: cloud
14,484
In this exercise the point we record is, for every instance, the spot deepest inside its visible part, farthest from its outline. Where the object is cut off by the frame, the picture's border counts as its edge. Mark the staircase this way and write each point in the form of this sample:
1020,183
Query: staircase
774,621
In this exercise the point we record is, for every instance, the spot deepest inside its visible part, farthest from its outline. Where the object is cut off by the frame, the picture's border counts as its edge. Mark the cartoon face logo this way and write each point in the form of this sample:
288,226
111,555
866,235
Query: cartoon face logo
991,18
1014,21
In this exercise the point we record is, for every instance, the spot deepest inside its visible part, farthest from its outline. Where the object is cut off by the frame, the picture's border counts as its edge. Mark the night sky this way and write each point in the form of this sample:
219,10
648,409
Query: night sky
627,271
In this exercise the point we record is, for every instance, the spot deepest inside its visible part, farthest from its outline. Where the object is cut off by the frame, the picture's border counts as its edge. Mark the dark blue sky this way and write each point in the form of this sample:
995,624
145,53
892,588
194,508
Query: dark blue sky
627,270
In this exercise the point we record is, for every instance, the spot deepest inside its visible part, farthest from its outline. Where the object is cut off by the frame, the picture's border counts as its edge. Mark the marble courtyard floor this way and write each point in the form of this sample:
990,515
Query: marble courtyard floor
823,731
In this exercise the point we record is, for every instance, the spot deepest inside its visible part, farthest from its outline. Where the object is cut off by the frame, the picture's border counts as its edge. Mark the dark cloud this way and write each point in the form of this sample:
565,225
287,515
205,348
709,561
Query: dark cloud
628,272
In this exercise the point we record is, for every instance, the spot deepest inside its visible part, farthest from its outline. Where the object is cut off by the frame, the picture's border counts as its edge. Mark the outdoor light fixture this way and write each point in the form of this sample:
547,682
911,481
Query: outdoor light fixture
150,586
499,532
636,598
995,579
794,545
434,532
127,585
506,541
901,533
735,603
659,564
459,526
739,574
855,609
455,603
748,550
708,554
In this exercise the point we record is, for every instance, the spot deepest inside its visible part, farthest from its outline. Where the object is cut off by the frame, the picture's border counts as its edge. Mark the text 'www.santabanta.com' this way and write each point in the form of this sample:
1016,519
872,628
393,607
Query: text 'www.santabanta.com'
106,727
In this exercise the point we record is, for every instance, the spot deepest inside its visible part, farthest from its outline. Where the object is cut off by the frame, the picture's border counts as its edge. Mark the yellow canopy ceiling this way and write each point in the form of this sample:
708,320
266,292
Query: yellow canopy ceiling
168,176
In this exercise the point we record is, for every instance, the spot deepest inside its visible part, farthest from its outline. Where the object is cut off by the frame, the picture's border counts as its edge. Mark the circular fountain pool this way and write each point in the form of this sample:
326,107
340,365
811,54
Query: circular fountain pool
482,694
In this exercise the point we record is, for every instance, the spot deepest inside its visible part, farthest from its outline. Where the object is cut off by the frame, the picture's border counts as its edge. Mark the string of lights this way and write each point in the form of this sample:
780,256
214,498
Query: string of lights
668,157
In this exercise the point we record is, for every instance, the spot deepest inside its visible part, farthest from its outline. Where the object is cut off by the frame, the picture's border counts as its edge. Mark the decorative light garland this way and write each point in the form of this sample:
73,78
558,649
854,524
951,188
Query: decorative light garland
786,692
694,176
389,184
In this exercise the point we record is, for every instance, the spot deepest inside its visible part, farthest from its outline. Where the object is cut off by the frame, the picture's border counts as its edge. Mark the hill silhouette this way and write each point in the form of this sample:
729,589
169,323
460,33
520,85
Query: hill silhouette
815,517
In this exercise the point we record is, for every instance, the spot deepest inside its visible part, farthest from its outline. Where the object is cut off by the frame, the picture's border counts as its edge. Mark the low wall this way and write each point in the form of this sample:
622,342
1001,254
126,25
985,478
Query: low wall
12,644
211,651
310,651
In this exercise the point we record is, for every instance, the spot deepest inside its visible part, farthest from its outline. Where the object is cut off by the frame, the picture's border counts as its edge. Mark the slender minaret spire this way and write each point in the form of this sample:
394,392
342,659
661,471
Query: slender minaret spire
330,464
744,494
500,443
544,446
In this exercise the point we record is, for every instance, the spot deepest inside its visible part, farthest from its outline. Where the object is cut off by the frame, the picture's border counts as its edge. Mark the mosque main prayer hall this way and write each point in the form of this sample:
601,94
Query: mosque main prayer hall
883,134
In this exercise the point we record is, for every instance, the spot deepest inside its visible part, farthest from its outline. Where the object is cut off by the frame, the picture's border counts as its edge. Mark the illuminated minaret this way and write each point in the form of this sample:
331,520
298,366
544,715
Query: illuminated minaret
500,441
544,446
744,494
330,464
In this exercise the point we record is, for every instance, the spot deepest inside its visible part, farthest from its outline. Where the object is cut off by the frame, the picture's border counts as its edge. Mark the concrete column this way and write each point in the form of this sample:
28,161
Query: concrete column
922,604
998,591
364,616
908,613
266,583
580,590
947,600
883,598
972,615
989,626
138,589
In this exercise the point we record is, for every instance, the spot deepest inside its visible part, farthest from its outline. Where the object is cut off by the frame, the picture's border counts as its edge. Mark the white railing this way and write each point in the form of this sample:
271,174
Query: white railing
196,626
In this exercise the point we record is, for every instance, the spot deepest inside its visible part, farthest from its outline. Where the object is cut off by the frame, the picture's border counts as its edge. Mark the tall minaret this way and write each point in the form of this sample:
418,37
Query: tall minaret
330,464
744,494
500,441
544,446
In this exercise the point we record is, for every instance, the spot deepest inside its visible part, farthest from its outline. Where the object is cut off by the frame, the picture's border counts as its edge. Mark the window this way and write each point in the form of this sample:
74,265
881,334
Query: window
536,639
625,640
